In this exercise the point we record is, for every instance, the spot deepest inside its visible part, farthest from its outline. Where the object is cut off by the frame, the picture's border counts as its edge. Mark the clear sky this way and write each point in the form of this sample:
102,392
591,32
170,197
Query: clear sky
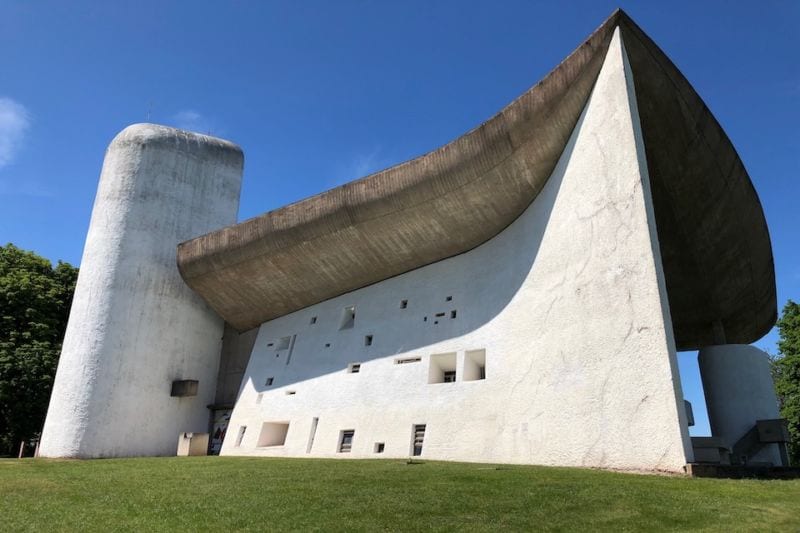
319,93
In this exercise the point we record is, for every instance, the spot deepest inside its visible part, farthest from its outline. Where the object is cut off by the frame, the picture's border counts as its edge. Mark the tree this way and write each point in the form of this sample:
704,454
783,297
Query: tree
35,299
786,370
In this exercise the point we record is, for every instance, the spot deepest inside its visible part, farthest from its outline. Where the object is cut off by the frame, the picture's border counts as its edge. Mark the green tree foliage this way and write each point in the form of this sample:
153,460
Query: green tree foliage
786,369
35,299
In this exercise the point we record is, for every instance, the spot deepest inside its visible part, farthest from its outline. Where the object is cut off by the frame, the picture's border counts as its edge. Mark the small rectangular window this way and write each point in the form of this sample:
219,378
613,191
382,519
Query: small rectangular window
348,318
354,368
368,340
403,304
379,447
240,436
453,313
406,360
450,376
269,381
314,423
448,299
417,438
346,440
313,320
439,315
291,392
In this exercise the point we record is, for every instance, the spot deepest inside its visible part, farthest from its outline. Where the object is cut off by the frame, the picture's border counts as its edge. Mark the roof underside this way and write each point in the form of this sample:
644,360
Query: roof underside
712,233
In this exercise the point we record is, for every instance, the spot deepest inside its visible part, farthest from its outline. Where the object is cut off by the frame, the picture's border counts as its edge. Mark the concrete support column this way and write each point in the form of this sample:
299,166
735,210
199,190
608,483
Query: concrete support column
739,390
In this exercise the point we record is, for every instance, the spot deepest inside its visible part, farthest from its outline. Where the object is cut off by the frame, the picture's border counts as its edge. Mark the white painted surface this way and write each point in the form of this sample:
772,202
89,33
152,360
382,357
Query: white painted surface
739,390
569,304
135,326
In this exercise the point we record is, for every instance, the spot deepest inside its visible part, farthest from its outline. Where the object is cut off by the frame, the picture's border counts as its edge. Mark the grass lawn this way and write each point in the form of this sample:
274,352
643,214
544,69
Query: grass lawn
259,494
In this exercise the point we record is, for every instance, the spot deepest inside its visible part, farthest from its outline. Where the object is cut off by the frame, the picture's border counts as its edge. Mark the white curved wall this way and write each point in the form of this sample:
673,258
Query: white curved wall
568,302
739,390
135,326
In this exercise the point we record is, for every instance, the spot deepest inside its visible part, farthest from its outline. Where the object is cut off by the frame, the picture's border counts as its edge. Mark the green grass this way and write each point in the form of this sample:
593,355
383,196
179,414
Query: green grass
259,494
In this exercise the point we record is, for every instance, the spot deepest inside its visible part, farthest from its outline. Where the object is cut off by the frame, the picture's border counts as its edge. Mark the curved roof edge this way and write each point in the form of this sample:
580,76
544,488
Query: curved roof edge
456,197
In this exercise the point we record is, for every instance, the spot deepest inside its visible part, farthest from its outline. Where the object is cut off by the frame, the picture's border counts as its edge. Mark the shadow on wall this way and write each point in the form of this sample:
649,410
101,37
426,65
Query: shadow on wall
415,310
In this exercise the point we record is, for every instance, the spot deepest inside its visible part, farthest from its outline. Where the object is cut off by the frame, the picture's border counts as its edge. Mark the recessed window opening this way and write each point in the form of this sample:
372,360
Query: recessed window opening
439,315
348,318
346,440
314,423
406,360
453,313
354,368
442,368
403,304
327,345
283,343
425,319
448,299
291,392
379,447
240,436
367,340
269,381
474,365
270,344
313,320
417,438
273,434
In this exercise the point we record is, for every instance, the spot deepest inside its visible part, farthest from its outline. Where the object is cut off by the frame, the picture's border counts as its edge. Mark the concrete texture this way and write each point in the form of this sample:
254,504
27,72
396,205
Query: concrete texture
567,306
714,242
135,327
738,387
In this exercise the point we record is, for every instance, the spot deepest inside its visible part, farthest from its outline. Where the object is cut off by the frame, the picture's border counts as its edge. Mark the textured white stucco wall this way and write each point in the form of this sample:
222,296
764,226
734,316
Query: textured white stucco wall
738,387
568,302
135,326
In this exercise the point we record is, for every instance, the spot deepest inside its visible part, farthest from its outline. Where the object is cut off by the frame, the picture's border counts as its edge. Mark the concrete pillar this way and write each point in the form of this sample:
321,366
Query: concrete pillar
135,327
739,390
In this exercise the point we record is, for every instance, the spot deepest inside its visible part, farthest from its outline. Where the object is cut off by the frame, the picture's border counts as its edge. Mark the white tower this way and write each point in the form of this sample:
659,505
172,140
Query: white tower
135,328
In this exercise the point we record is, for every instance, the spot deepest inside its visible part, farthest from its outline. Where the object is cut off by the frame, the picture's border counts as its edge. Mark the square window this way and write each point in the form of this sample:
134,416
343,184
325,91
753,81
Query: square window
269,381
379,447
354,368
442,368
474,365
273,434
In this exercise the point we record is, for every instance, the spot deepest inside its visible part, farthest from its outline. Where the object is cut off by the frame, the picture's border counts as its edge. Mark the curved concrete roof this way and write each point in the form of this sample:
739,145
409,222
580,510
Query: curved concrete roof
713,236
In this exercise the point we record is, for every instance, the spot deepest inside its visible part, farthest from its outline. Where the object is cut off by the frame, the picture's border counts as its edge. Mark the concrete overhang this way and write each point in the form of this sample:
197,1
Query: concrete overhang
713,236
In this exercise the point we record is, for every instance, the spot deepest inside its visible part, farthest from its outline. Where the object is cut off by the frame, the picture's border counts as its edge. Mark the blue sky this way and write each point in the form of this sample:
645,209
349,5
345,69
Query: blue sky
319,93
